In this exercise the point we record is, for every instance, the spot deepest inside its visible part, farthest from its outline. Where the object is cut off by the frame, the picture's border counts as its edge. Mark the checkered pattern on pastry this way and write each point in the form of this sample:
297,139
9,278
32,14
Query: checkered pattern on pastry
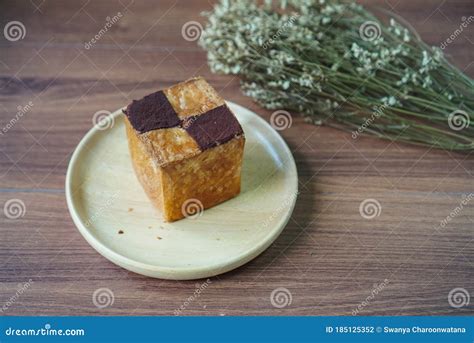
182,121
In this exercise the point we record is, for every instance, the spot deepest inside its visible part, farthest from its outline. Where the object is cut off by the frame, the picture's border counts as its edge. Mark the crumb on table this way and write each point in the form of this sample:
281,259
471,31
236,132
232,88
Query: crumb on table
130,209
158,237
120,232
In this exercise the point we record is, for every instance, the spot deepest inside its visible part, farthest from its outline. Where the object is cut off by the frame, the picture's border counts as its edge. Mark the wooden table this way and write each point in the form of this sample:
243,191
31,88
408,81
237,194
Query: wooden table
329,257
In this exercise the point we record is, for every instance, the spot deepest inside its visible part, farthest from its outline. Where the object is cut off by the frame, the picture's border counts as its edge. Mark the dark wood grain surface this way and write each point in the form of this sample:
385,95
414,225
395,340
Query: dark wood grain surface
328,258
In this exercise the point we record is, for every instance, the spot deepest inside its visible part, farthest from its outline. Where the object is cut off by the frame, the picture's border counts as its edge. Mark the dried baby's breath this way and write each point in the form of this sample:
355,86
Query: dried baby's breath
336,63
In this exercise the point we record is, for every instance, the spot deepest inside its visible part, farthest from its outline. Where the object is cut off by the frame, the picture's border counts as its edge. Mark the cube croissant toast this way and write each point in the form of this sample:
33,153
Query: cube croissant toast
186,147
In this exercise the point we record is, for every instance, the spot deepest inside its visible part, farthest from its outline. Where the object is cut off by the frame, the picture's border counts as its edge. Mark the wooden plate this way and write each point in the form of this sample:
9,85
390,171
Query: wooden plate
112,212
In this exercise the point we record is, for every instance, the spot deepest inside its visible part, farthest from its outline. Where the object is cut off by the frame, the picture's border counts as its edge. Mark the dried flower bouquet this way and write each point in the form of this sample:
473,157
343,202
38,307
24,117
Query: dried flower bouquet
339,65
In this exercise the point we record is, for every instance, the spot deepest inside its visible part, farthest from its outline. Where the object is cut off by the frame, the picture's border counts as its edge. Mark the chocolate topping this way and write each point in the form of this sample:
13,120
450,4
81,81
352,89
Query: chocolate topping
212,128
152,112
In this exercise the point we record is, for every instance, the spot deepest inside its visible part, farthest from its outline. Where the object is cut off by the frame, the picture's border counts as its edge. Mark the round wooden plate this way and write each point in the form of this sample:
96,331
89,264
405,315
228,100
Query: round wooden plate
114,215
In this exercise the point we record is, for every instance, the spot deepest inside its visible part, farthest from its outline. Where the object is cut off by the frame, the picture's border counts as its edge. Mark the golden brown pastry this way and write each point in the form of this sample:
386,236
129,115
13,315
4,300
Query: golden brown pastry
186,147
